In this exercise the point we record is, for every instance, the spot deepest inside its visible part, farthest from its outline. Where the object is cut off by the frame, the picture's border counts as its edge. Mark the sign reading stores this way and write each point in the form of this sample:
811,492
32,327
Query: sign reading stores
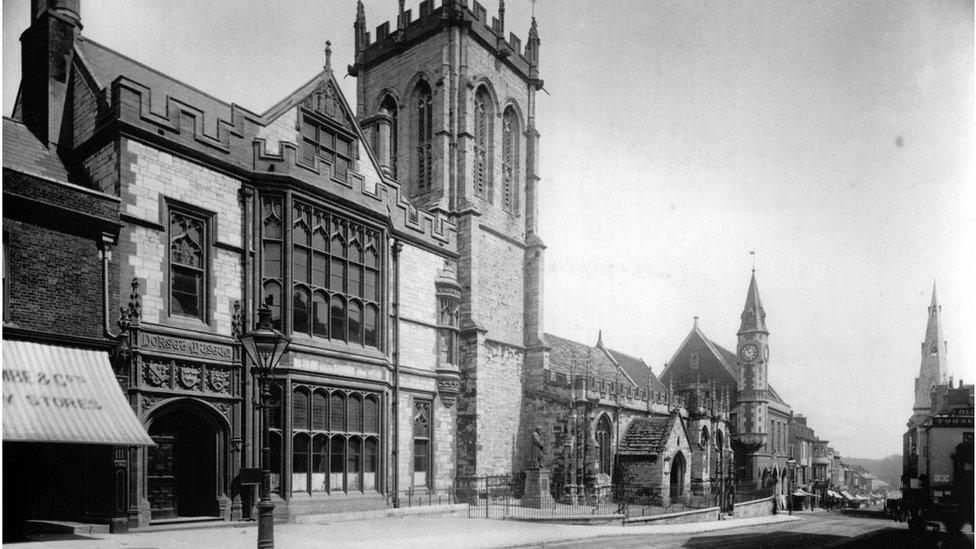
196,349
61,380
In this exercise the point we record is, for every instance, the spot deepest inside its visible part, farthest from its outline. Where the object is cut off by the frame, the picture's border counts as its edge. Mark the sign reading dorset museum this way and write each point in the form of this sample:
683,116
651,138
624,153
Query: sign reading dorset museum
185,347
65,394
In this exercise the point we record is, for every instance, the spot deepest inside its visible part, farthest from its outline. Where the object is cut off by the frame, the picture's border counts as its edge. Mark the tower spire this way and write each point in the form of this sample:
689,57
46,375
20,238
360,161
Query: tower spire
753,314
934,367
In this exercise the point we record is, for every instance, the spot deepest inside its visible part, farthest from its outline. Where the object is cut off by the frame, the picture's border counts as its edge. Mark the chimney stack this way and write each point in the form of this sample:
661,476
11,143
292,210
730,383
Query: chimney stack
47,52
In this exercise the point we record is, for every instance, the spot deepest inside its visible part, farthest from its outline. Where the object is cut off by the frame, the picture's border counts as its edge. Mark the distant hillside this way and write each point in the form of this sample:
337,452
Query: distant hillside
887,469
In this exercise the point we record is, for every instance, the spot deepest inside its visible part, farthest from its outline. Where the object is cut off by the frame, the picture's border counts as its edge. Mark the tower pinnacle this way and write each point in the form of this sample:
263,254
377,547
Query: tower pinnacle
933,369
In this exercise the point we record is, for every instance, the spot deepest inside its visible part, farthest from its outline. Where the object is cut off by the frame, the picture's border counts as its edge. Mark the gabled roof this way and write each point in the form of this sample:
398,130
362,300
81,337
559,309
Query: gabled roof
571,357
637,370
648,435
24,153
723,356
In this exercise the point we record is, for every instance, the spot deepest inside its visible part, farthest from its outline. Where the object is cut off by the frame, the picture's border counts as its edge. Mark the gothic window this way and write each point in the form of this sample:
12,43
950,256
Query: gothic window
483,184
332,145
335,440
423,106
274,440
448,330
603,441
272,276
389,108
511,145
421,443
187,264
335,274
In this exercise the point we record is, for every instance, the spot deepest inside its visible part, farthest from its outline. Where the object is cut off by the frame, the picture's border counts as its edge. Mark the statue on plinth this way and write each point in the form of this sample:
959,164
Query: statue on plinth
537,449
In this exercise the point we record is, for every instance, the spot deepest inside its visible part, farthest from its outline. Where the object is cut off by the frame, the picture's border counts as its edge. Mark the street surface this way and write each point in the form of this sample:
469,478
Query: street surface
806,530
816,530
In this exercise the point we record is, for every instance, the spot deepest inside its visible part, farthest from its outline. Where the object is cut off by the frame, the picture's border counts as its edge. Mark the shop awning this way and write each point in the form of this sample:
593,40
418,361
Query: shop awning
65,394
834,494
801,493
848,496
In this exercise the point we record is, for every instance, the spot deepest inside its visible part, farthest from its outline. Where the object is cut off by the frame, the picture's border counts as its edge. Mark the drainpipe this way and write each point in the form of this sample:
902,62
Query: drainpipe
106,254
397,247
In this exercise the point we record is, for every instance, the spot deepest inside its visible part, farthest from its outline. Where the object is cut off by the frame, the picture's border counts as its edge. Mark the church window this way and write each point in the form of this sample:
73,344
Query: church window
603,441
448,324
423,104
421,443
187,264
483,184
324,141
271,254
510,160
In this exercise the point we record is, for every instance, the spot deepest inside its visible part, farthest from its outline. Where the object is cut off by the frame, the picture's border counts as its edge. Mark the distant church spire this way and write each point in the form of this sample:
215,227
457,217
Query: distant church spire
753,314
934,367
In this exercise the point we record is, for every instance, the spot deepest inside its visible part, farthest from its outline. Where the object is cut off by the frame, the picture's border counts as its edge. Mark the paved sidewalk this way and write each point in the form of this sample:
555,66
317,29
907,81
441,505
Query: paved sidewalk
387,533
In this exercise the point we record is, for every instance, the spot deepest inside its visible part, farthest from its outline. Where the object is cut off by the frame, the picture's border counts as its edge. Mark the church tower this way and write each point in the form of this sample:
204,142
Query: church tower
448,101
752,403
933,369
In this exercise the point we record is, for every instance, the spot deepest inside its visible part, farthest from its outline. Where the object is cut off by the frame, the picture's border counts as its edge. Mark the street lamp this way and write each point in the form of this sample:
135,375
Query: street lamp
265,346
791,467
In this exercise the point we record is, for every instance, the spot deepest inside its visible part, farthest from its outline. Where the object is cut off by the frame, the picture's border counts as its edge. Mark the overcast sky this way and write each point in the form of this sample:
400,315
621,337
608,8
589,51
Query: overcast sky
834,138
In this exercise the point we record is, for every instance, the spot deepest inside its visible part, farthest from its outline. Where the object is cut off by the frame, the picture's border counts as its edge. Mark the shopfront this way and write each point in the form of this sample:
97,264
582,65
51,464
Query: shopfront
67,431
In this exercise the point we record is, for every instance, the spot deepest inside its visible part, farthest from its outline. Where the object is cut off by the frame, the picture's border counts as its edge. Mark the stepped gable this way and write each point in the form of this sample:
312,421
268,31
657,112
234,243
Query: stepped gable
24,153
647,435
164,111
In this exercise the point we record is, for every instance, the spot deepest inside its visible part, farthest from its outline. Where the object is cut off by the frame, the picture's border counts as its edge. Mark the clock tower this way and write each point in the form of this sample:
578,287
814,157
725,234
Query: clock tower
753,396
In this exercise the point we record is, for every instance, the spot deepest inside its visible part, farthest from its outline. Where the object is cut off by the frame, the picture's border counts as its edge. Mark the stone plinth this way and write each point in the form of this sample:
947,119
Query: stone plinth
537,494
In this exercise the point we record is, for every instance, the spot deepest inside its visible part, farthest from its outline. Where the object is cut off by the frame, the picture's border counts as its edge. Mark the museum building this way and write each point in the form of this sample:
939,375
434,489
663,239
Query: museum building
394,243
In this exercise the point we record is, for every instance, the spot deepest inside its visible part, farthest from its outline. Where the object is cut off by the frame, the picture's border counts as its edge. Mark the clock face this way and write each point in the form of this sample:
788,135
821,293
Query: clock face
749,352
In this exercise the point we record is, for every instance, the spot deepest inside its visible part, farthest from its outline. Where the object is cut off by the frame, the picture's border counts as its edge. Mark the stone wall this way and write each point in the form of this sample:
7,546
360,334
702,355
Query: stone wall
148,178
500,395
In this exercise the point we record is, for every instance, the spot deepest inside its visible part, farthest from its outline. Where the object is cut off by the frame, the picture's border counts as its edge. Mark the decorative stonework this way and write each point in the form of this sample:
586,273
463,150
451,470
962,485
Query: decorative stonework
224,407
218,380
448,384
148,401
156,374
237,321
188,376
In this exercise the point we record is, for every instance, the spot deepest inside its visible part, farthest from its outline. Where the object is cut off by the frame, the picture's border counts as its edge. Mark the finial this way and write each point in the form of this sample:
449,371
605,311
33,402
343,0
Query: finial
696,321
401,19
501,16
328,55
599,338
752,252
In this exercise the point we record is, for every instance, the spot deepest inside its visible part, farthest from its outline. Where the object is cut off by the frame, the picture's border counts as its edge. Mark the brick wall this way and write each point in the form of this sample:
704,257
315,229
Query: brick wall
84,110
55,271
102,169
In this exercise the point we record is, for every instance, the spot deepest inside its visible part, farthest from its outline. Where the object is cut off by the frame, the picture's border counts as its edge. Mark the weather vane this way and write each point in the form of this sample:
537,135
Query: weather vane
752,252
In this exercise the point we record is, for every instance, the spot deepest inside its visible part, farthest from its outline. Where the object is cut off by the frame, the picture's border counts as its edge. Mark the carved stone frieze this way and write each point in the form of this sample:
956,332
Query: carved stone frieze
148,401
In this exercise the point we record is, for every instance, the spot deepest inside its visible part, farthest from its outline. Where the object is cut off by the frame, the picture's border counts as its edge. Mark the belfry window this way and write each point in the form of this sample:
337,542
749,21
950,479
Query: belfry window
510,160
424,127
187,264
483,183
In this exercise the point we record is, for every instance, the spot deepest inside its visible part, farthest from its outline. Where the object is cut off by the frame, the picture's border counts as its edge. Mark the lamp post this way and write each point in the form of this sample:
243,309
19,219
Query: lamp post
265,346
791,467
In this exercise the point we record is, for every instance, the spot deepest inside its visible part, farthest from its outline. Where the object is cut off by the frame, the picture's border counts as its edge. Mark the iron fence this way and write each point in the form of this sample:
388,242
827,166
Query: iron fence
505,496
422,497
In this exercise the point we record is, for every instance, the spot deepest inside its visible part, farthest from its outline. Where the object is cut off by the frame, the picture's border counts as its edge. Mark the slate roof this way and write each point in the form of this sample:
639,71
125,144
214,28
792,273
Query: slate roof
638,370
647,435
24,153
570,357
106,64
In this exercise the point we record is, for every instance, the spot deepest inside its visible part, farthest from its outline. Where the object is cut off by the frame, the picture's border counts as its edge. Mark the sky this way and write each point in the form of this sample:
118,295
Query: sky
834,138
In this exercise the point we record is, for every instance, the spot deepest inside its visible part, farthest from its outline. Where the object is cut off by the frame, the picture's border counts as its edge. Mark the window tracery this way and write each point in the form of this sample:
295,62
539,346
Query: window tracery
483,184
511,146
187,259
423,100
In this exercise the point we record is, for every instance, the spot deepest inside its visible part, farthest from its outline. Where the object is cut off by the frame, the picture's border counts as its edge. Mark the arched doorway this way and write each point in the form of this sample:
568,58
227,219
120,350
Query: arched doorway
184,470
678,467
604,445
